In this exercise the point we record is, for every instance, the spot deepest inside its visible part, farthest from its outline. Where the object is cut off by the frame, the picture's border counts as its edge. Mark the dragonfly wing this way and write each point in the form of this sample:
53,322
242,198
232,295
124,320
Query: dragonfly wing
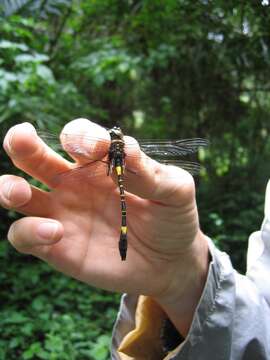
81,173
192,167
89,147
163,148
77,145
186,142
50,139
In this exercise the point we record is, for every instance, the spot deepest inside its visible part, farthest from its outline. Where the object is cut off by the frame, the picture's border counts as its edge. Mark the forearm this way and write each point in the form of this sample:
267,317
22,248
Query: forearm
193,269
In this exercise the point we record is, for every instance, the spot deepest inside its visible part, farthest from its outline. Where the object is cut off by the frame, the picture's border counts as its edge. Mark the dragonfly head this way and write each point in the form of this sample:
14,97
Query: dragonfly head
116,133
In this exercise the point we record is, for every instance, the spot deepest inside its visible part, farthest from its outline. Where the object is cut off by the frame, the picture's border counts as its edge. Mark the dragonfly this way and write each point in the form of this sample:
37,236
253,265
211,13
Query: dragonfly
168,152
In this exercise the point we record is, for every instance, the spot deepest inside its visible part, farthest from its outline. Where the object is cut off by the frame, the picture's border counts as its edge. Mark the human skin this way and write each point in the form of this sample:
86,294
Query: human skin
75,227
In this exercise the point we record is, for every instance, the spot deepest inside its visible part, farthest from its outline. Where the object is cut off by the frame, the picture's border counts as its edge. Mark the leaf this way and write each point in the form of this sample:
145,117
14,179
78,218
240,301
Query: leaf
100,350
45,73
5,44
15,342
16,318
29,58
28,329
38,303
39,6
54,343
11,6
33,350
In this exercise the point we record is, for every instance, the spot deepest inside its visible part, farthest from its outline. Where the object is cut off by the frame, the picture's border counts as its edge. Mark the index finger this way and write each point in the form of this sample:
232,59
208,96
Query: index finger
30,154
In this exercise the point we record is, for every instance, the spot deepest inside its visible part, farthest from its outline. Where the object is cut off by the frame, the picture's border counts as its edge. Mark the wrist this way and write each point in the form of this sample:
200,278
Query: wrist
182,298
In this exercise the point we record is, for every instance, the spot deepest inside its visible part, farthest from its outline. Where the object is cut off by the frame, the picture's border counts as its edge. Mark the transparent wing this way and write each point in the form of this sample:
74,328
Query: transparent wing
192,167
167,152
76,144
172,148
99,168
82,172
155,148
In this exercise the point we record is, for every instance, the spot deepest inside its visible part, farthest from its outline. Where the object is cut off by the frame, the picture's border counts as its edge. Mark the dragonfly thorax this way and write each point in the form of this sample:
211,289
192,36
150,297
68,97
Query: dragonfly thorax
116,155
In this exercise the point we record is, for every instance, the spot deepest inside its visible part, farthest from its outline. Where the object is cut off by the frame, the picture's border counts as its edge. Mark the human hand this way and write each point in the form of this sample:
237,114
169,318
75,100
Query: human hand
167,253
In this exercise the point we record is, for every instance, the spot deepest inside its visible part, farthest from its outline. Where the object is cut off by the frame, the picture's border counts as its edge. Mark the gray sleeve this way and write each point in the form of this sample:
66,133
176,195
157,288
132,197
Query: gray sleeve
125,322
231,322
232,319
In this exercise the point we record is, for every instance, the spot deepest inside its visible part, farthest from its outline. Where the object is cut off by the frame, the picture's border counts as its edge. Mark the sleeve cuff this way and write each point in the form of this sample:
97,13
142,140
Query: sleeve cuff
144,341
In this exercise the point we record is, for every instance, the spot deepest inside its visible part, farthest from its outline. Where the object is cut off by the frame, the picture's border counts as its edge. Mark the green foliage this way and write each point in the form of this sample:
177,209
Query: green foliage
49,316
29,88
39,7
162,69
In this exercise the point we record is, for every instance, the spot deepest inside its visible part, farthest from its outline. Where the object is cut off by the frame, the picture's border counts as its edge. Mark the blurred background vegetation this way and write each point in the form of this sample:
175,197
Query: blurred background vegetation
161,69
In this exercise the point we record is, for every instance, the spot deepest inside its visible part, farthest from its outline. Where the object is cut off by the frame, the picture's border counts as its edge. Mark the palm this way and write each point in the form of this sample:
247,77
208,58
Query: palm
90,244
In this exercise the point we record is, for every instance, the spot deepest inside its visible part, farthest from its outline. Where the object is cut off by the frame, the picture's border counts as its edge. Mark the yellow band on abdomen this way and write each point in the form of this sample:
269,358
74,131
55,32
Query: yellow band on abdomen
123,229
118,170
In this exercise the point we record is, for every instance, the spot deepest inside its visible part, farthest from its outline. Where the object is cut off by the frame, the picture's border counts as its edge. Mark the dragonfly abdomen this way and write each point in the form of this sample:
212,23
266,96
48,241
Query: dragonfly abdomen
117,160
123,231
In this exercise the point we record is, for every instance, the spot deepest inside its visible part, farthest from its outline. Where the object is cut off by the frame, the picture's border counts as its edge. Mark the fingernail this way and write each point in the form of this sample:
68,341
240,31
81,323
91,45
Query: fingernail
7,189
10,234
26,128
8,143
47,230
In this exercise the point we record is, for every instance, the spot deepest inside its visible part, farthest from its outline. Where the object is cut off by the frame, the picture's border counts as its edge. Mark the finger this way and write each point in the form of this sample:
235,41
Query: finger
30,234
17,194
85,141
30,154
149,179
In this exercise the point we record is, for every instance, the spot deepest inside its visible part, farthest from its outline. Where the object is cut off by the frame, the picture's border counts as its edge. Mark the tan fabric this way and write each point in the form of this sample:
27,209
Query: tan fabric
144,341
